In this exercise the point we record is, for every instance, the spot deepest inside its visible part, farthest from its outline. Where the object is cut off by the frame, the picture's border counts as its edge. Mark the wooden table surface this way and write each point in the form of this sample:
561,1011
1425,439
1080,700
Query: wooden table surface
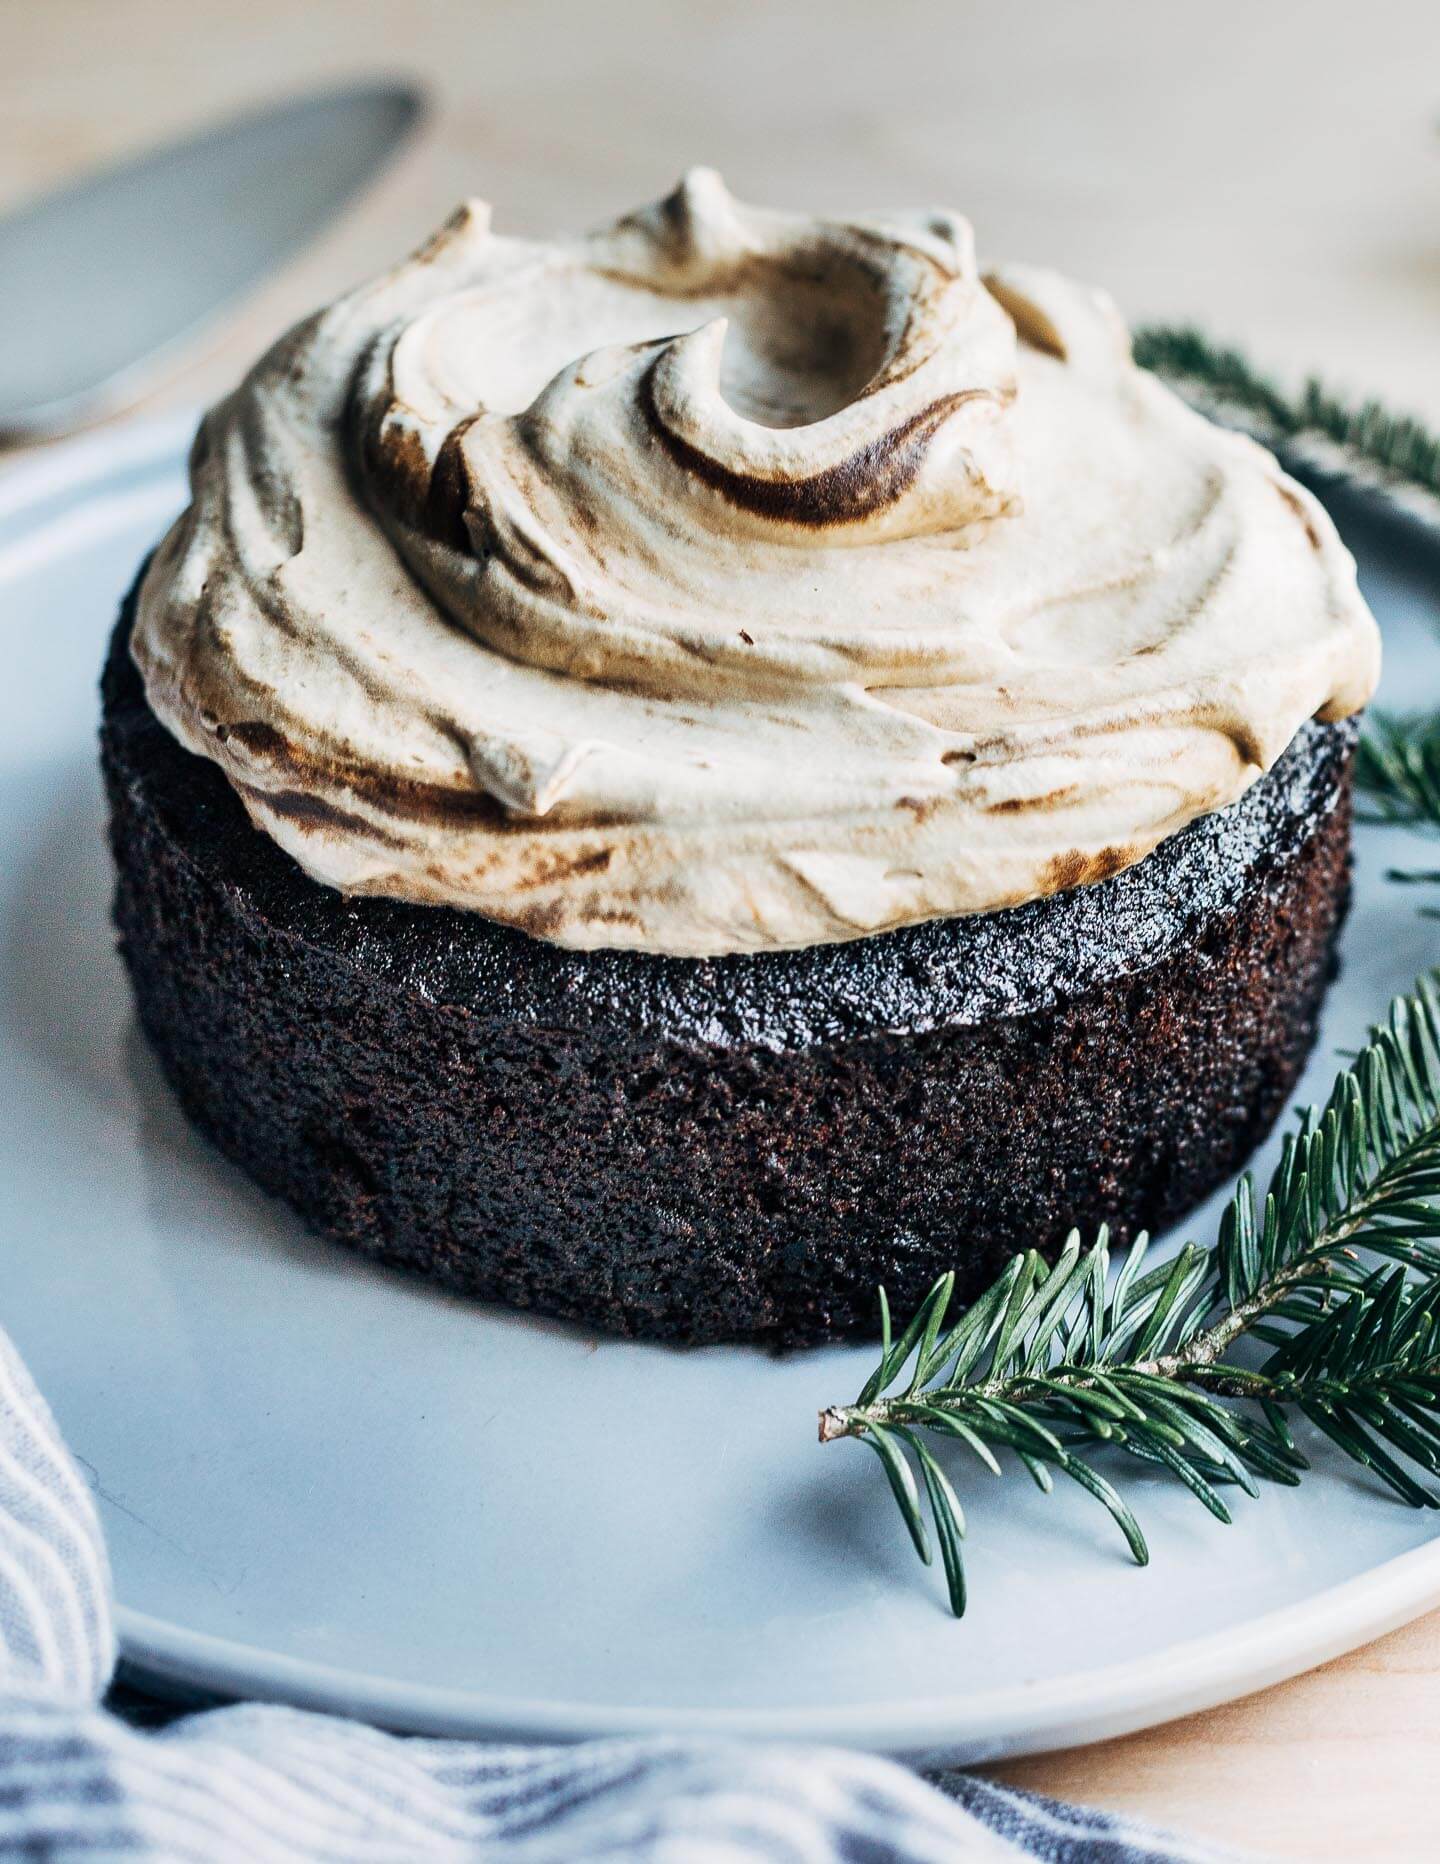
1271,171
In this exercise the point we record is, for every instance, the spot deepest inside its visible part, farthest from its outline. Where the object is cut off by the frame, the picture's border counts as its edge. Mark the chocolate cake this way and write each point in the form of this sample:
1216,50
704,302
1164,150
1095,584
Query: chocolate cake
550,861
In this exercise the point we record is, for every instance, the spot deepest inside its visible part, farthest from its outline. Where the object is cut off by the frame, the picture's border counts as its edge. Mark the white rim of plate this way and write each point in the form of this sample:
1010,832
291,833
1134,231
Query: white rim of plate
1075,1710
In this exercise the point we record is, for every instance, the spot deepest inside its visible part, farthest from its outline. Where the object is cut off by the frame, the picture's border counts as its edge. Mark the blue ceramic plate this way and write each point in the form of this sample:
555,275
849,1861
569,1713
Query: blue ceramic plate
328,1485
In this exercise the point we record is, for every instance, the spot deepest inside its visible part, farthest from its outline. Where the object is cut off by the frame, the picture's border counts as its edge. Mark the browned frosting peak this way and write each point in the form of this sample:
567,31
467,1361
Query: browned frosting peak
729,579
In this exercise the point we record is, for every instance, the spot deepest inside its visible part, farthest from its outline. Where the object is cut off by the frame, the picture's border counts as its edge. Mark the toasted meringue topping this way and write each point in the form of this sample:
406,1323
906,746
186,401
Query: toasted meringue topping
729,580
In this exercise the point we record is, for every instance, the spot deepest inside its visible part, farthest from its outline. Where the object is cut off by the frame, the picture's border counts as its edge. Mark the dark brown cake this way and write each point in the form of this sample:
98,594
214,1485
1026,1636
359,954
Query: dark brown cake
736,1148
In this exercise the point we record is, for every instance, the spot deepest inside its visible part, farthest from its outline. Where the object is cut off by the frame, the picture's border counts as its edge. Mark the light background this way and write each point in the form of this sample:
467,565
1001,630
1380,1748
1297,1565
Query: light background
1270,168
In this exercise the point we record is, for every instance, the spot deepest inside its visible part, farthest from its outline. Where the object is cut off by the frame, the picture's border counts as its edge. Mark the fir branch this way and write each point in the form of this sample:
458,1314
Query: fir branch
1396,446
1397,774
1398,765
1397,770
1398,781
1336,1269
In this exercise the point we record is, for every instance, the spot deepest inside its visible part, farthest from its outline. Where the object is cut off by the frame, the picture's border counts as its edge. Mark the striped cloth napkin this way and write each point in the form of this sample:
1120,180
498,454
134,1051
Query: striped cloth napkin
258,1782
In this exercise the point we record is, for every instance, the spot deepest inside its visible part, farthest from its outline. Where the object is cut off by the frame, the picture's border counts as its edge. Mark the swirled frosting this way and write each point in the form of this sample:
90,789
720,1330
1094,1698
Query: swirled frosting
730,579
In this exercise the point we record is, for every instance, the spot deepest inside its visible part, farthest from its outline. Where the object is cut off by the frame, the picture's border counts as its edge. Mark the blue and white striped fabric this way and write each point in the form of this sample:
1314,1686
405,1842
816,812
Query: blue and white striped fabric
258,1783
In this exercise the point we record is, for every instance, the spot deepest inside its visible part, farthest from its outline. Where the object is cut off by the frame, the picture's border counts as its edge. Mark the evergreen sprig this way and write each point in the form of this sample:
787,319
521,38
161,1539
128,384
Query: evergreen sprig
1393,445
1336,1270
1398,766
1397,773
1397,770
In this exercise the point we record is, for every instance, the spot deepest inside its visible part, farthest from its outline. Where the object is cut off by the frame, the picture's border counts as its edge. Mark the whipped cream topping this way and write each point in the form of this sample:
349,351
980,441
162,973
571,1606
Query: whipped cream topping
728,580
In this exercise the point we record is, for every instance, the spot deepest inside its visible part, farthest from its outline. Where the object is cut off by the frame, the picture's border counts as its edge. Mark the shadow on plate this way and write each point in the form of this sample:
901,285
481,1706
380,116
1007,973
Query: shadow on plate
62,996
65,1003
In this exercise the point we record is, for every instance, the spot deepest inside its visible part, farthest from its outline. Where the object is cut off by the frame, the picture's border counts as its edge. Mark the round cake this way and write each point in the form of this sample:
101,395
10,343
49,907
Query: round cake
671,777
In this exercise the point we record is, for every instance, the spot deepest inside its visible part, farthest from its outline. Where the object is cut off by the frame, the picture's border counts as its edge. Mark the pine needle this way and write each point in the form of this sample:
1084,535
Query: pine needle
1391,447
1397,769
1340,1277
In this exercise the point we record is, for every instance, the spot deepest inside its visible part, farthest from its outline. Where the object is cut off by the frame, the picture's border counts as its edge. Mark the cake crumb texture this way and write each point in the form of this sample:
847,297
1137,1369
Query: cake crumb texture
739,1148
